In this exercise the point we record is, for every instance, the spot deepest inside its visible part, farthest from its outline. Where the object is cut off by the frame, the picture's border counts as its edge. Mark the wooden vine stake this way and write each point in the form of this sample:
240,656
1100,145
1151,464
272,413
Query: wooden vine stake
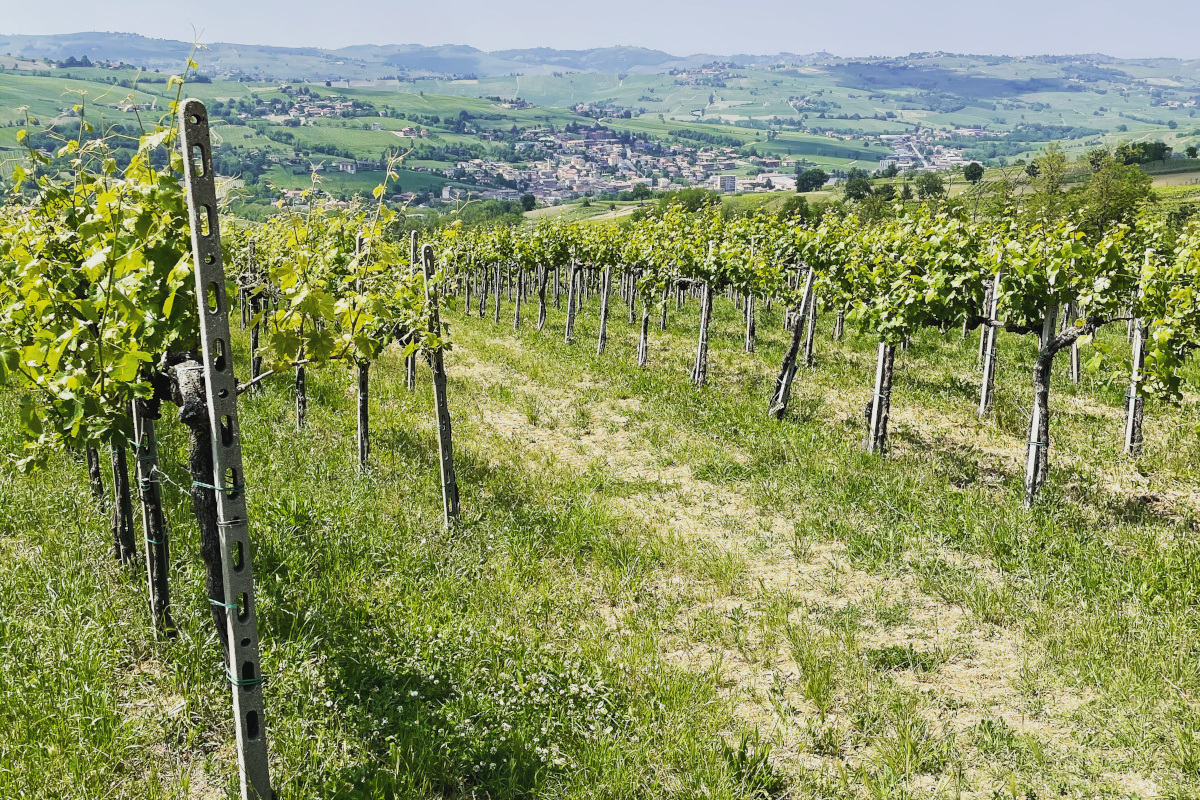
543,276
1037,461
364,419
749,342
987,338
256,307
468,278
631,295
124,547
1134,403
243,670
520,295
989,296
810,330
154,527
787,372
643,351
700,368
881,401
95,477
483,289
441,407
499,289
363,369
569,332
1072,316
602,339
410,363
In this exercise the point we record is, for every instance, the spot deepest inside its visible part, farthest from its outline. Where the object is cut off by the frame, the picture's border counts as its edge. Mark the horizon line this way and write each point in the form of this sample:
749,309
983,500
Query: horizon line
819,53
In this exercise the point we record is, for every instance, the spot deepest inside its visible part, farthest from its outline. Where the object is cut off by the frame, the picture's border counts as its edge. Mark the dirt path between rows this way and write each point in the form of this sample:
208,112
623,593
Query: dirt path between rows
979,666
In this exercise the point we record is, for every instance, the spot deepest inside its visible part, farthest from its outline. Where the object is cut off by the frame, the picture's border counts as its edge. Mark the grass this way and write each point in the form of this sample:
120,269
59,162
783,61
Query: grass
47,98
363,182
656,590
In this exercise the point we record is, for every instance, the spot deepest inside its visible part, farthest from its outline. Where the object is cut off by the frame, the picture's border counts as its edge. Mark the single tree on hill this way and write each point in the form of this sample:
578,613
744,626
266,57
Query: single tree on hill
930,185
858,188
811,179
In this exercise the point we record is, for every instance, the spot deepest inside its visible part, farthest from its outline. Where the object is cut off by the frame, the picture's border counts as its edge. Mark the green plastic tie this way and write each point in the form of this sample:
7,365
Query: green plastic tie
226,606
159,542
1039,444
243,682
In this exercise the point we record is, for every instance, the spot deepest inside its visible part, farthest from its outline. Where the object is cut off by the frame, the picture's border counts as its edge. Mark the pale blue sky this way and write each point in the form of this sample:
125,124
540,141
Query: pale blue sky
844,27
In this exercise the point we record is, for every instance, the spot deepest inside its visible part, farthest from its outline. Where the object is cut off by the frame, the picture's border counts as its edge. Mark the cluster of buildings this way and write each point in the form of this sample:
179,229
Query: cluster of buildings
562,166
911,153
567,165
762,182
320,108
407,132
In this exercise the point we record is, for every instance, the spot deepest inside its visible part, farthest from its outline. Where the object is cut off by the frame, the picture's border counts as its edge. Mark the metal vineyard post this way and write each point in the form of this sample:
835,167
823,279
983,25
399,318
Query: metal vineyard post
243,670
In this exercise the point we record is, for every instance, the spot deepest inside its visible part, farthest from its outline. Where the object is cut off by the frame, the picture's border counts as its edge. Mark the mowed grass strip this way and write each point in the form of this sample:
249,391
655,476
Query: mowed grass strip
400,660
868,607
656,590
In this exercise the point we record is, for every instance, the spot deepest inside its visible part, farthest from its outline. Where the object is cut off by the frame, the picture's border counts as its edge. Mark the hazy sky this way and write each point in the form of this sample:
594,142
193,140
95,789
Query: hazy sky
843,27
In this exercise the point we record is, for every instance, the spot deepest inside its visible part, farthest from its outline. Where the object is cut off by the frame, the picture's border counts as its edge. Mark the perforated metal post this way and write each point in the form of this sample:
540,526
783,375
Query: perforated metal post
243,670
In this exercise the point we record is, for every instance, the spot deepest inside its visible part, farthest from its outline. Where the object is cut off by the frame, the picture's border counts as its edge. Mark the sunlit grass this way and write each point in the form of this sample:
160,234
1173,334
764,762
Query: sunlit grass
656,590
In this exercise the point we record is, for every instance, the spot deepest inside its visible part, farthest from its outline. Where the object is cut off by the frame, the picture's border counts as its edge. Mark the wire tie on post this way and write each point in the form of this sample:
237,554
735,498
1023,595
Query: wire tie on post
224,489
159,542
230,523
227,606
1039,444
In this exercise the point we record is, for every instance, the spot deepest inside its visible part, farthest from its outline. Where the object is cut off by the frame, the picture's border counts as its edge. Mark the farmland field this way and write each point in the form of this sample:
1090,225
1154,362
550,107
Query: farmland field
692,583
